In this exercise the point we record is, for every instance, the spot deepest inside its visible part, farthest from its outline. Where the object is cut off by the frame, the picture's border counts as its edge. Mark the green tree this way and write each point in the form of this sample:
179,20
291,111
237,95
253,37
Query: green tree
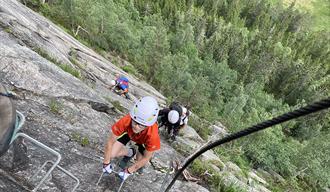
313,161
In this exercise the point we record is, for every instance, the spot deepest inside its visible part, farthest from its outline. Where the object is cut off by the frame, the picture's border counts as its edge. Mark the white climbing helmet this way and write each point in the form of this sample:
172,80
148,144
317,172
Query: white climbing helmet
145,111
173,116
113,82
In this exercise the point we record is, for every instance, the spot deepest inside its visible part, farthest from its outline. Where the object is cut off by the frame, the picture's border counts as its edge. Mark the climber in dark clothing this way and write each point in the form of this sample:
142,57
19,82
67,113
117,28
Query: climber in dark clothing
170,118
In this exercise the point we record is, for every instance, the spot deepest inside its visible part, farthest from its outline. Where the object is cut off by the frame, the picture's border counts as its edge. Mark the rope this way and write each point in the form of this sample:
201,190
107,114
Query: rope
312,108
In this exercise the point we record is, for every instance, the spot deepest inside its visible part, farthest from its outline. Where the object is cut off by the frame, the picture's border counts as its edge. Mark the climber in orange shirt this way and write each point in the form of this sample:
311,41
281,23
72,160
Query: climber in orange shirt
140,126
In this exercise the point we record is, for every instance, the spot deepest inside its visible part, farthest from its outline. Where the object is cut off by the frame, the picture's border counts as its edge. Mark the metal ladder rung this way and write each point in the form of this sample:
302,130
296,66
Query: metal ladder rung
20,119
61,169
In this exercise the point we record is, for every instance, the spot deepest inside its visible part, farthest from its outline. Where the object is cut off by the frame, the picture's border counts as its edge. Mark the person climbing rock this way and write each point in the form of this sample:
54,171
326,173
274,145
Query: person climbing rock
140,126
120,85
174,118
170,119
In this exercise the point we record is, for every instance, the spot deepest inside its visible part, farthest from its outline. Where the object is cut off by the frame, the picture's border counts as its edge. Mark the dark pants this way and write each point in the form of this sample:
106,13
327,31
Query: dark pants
172,130
124,139
121,91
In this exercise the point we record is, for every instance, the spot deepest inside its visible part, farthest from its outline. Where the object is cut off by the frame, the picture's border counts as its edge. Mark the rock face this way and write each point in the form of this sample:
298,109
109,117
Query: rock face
218,131
62,90
67,113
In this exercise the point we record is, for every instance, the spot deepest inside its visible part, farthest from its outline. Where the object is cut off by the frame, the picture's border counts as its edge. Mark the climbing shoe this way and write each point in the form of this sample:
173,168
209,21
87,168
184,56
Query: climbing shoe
127,96
125,160
140,171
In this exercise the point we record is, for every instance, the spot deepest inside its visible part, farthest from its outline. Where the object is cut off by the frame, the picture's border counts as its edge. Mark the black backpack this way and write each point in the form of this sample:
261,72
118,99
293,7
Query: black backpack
176,106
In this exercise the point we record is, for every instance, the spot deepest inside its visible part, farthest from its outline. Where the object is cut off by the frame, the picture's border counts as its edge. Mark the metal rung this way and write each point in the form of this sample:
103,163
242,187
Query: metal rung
47,149
61,169
19,123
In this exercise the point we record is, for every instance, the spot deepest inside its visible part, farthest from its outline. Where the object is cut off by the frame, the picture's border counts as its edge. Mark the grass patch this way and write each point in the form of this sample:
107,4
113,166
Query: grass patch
65,67
8,30
321,15
319,10
82,140
45,55
35,5
115,61
198,167
218,184
73,53
302,4
201,127
291,185
129,69
74,58
71,70
76,63
116,104
83,41
242,162
235,154
55,106
182,149
214,180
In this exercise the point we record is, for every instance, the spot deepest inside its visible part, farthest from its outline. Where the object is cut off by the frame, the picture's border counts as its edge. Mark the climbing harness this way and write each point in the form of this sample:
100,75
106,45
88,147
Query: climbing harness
312,108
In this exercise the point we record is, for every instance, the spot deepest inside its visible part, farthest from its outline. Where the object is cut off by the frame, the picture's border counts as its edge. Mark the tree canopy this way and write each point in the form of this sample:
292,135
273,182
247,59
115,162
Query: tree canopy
240,62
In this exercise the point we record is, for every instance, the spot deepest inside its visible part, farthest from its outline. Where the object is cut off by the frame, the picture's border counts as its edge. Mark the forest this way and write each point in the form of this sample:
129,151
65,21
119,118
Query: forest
236,62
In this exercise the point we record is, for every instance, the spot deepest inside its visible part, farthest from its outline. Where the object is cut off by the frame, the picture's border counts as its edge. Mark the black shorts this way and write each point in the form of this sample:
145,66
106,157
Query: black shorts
124,139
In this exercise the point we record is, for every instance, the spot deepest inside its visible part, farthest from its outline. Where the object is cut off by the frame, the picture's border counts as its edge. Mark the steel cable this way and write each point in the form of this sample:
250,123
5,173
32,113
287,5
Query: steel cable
311,108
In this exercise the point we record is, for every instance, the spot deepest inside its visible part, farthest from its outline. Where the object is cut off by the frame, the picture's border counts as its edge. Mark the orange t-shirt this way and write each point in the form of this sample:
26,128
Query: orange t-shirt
149,136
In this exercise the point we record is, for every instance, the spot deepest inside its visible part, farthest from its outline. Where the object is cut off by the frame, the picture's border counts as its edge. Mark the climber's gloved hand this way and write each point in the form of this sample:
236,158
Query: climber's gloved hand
107,168
124,174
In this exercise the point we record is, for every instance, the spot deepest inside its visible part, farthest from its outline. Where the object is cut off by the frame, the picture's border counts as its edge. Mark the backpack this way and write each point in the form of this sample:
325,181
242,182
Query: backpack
176,106
7,120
